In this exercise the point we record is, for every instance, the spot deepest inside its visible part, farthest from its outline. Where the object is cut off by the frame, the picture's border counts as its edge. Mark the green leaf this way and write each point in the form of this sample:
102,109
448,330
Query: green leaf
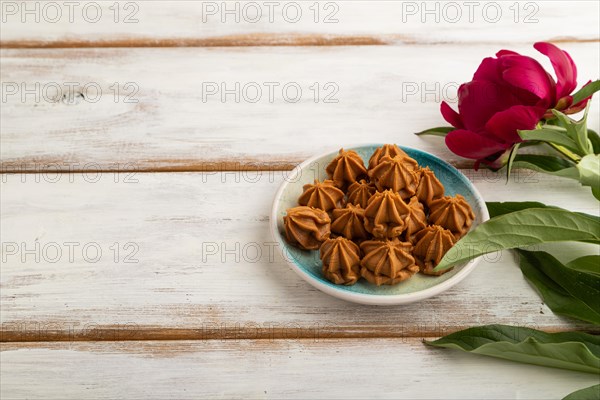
589,170
521,229
550,136
577,130
586,91
581,285
596,193
566,291
588,264
547,164
439,131
568,350
500,208
590,393
594,140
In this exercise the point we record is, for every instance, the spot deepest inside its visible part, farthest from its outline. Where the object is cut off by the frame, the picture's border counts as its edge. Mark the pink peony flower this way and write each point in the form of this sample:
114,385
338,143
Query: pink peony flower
508,93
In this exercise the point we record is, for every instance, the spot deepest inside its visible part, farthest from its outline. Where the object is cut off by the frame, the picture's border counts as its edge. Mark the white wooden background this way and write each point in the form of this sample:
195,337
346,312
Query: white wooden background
196,302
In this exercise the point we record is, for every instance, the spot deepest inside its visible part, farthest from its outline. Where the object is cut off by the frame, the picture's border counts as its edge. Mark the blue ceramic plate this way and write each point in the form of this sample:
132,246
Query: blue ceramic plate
308,265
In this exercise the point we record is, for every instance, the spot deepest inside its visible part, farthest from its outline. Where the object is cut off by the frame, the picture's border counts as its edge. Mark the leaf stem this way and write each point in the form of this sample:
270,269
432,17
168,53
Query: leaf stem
567,153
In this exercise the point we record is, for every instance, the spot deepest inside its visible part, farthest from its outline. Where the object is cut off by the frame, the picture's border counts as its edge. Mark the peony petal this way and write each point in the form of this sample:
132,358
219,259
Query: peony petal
575,108
478,101
504,124
564,67
451,116
488,71
503,53
472,145
527,74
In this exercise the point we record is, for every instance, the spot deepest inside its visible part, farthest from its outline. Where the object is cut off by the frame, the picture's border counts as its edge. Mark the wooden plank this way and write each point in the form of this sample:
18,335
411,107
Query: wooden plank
189,255
251,23
151,109
353,369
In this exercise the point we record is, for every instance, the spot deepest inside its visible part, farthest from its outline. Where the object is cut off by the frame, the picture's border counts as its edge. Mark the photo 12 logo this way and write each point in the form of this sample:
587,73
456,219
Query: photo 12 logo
69,252
68,92
69,12
469,11
270,11
68,172
269,92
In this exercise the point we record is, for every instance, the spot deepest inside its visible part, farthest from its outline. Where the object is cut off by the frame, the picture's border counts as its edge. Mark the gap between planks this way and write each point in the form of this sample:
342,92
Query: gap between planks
37,166
133,332
155,166
255,40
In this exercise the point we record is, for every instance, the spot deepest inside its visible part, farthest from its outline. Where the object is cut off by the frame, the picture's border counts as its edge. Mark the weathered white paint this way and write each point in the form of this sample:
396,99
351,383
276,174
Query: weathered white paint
180,22
265,369
172,127
172,292
199,236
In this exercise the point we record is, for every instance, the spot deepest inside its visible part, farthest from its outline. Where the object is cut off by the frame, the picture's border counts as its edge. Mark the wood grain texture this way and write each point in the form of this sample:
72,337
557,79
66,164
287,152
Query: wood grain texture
202,263
384,94
188,297
248,40
304,23
303,369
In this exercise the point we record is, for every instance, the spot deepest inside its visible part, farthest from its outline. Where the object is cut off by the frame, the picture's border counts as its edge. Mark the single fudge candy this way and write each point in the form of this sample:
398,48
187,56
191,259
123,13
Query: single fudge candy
306,227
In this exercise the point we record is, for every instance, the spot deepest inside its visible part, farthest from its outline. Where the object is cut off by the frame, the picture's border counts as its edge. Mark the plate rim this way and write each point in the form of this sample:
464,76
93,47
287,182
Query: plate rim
374,299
